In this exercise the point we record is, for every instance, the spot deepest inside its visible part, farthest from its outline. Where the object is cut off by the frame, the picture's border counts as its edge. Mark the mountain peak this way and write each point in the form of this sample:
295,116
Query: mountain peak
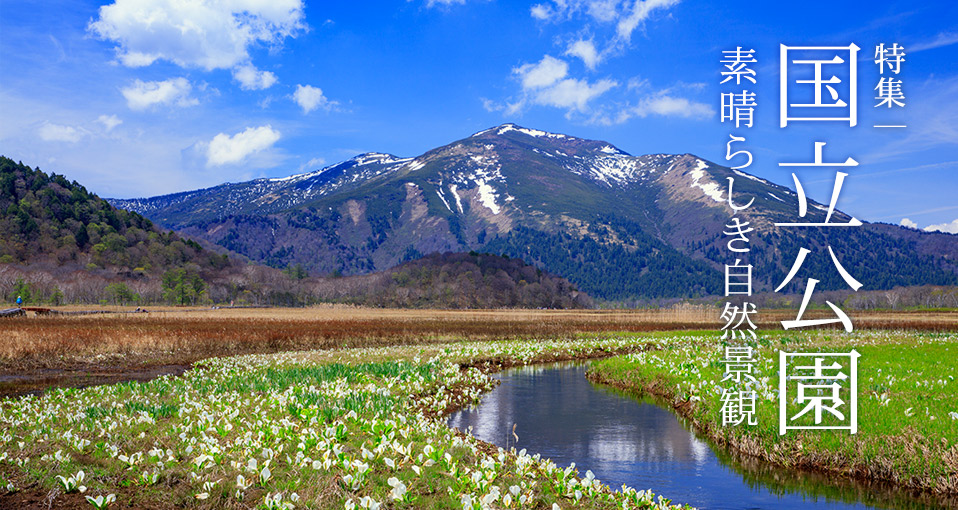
366,158
507,127
377,157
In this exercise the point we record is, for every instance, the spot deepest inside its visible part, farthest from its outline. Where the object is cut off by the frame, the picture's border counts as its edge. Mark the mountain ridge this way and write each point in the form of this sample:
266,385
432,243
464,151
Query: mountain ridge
525,192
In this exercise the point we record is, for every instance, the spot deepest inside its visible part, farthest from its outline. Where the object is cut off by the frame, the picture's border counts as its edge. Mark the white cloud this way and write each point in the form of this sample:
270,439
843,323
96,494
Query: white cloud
224,149
109,121
559,10
669,106
548,71
541,11
627,15
608,32
905,222
141,157
251,78
545,83
50,132
310,98
618,19
312,164
640,11
433,3
144,94
667,102
951,228
603,10
489,105
637,83
572,93
585,50
208,34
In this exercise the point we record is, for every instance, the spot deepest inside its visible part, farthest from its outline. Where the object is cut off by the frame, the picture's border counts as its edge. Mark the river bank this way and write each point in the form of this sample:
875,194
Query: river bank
908,406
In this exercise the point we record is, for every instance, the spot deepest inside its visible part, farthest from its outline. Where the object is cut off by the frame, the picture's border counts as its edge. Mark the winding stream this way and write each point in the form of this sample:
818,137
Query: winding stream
633,441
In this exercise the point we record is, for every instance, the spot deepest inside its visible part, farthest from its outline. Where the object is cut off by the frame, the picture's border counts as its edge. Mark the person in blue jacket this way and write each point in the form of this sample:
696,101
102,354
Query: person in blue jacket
19,301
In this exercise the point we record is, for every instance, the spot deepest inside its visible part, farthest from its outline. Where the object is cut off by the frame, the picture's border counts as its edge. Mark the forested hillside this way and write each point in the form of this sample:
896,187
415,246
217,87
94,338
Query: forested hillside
60,244
46,218
456,280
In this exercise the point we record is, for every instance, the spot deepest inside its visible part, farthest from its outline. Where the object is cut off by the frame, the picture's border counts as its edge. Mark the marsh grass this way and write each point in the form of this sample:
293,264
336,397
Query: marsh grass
907,403
174,336
342,428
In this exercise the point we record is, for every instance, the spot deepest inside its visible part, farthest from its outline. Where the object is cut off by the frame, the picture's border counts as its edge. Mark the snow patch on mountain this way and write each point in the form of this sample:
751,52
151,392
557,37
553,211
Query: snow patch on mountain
452,188
378,157
747,176
709,188
505,128
488,195
482,177
441,197
618,169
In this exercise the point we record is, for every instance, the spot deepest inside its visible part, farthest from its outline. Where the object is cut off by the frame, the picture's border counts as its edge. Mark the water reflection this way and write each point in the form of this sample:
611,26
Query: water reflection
623,440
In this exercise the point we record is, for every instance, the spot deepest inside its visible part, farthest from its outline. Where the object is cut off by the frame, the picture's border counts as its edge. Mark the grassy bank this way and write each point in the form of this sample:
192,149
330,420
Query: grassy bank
907,403
349,428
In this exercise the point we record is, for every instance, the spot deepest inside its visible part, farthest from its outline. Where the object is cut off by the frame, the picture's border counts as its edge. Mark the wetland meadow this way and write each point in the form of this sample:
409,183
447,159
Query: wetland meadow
351,408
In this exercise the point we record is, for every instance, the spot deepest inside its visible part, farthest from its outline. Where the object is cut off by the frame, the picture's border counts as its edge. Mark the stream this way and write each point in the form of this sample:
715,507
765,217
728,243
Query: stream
623,439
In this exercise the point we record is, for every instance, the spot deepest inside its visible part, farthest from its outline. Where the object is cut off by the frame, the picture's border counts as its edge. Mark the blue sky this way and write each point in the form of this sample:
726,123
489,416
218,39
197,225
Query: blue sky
143,97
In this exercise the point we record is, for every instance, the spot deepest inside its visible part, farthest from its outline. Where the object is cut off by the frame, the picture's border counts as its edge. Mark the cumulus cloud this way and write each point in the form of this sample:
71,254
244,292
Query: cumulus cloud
225,149
573,94
109,121
542,74
951,228
607,33
905,222
207,34
251,78
541,11
50,132
141,95
546,83
310,98
586,51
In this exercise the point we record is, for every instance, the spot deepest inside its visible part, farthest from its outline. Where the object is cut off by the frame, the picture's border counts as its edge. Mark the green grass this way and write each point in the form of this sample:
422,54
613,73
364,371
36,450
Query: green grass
907,403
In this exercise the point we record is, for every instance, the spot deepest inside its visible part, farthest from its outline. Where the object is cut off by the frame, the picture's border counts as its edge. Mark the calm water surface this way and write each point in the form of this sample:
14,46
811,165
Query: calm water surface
624,440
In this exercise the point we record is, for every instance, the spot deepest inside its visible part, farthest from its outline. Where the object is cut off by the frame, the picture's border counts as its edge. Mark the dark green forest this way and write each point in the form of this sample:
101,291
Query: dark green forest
472,280
647,268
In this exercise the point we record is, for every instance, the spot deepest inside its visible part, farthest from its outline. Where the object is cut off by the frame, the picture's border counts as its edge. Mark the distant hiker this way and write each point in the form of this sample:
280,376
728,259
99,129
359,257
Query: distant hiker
19,301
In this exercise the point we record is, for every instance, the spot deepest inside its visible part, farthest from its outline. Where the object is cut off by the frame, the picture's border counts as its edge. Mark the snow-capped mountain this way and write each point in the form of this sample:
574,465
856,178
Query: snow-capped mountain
617,225
267,195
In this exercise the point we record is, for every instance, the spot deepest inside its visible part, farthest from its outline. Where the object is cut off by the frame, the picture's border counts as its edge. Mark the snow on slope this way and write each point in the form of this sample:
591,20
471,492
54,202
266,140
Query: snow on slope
709,188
